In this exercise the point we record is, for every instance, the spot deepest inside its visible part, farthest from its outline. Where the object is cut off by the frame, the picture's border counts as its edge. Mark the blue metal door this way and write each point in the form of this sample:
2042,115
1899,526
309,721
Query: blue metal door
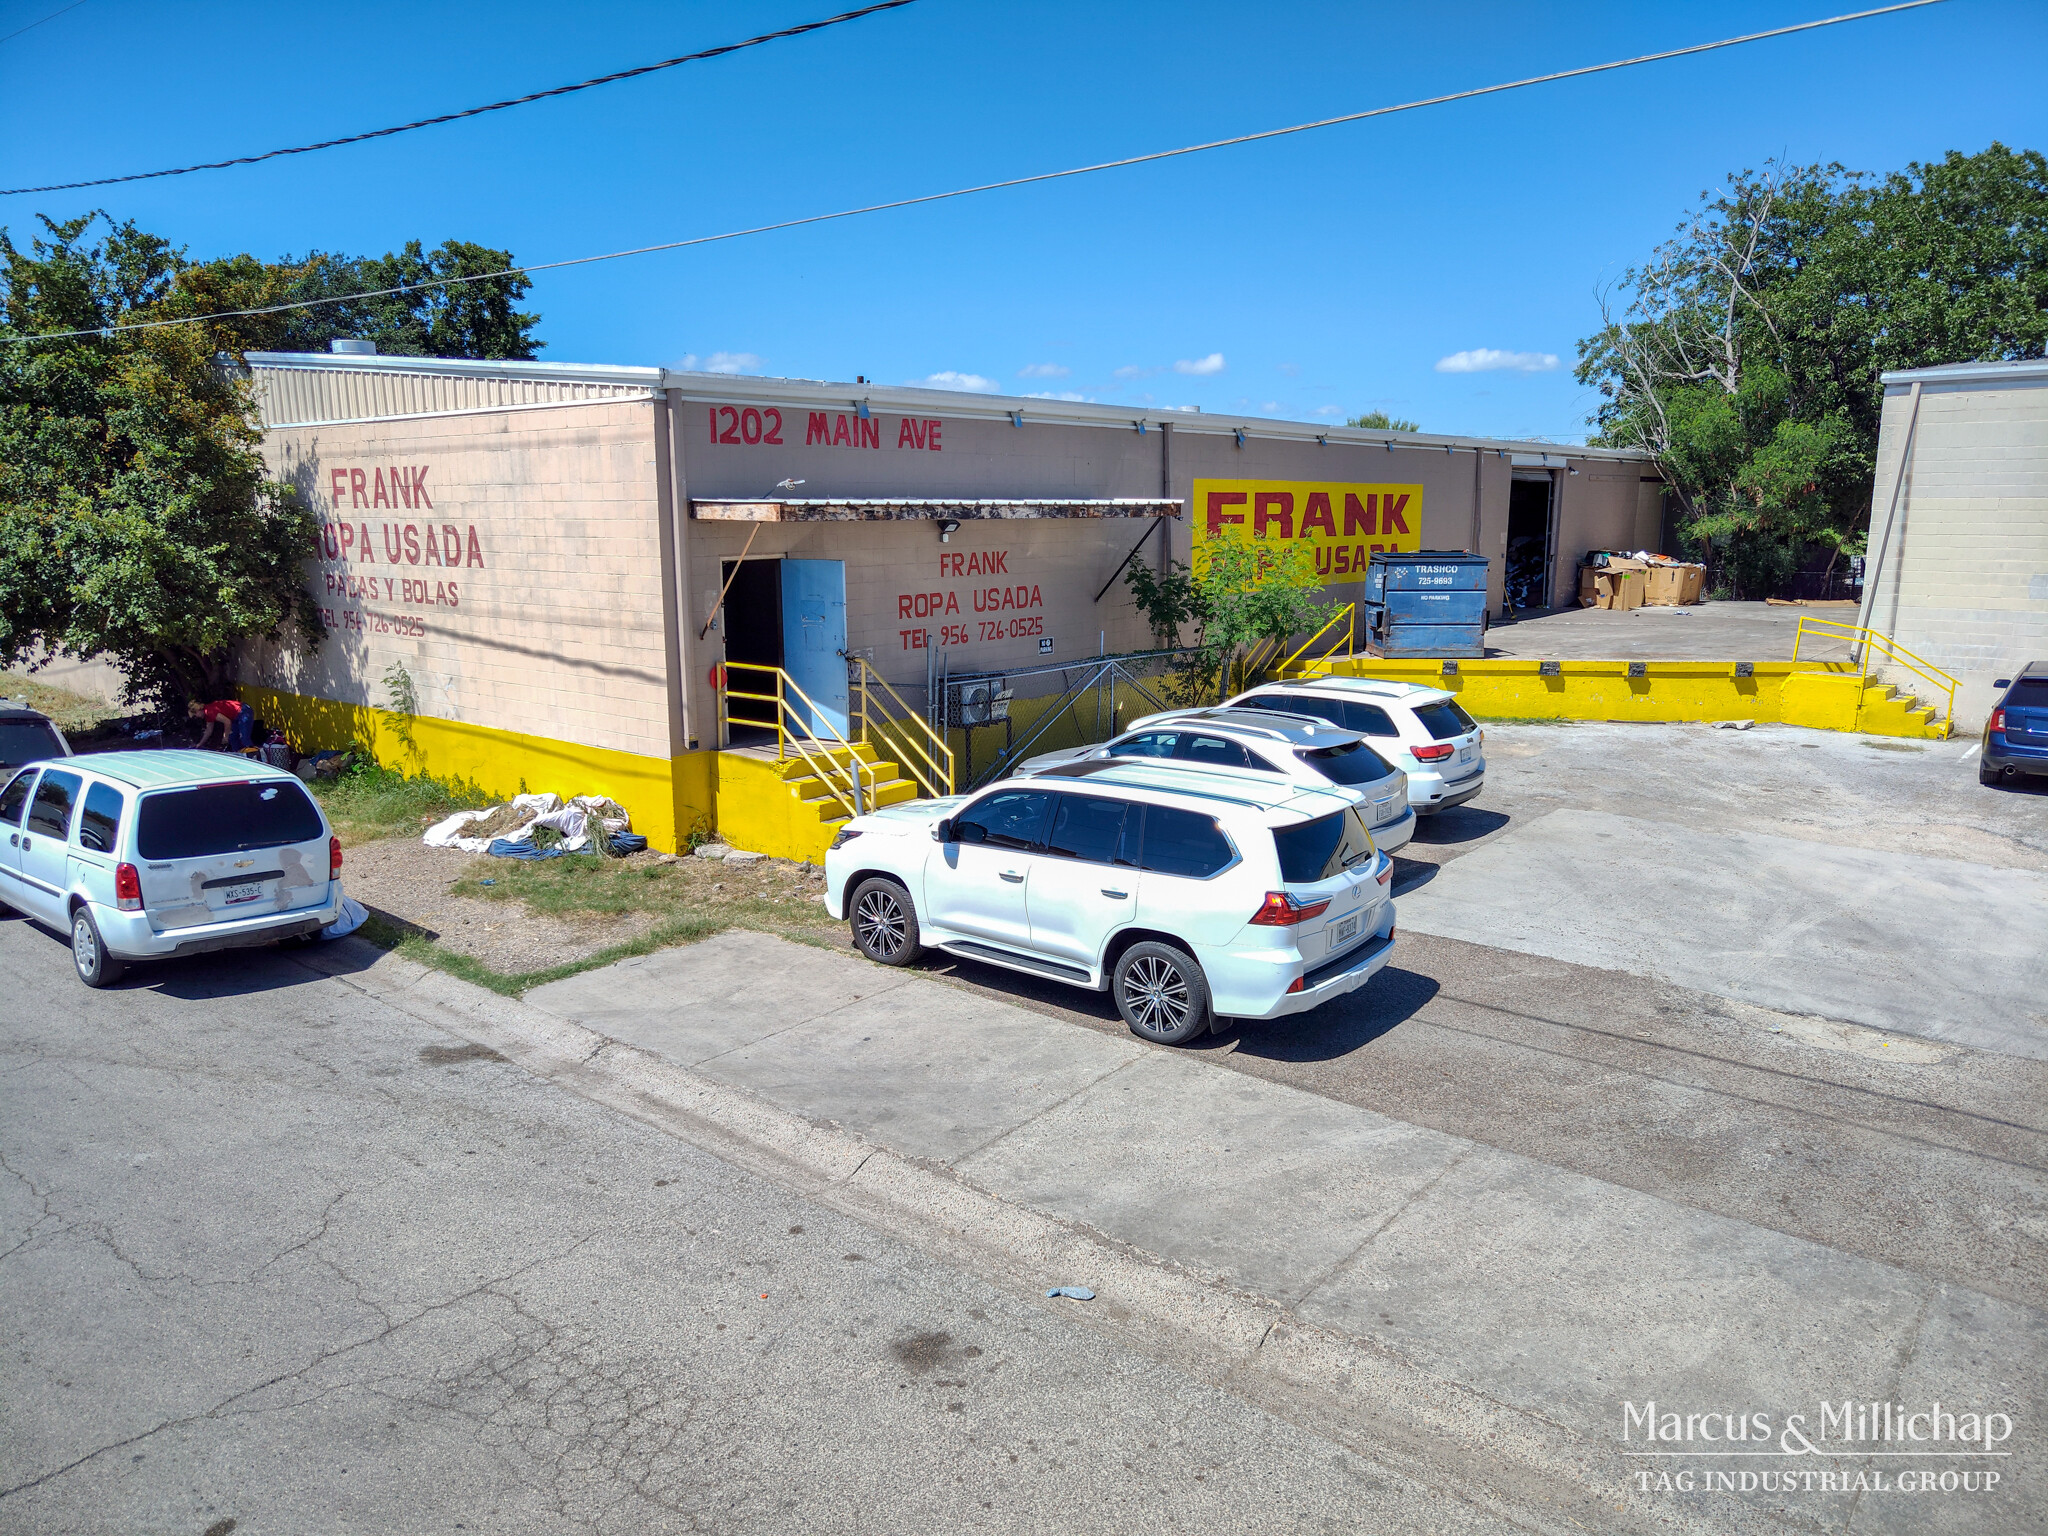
814,640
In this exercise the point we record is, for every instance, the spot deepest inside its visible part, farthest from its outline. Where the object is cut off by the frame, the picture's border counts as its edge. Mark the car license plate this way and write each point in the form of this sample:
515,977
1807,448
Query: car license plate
1464,754
235,895
1344,931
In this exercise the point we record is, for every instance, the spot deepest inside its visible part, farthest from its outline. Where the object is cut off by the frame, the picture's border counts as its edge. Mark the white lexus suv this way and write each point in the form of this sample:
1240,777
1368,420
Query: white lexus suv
1305,748
1419,729
1190,894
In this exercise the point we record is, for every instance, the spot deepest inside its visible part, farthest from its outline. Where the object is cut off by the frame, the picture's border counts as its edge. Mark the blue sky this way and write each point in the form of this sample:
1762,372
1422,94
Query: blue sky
1314,276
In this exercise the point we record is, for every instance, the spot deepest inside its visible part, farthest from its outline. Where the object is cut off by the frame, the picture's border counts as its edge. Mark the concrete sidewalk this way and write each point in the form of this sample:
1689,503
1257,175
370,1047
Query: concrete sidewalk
1559,1296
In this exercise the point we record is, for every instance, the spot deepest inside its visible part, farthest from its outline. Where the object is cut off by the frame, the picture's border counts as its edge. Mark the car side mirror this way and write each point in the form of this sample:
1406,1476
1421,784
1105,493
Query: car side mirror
942,830
2003,682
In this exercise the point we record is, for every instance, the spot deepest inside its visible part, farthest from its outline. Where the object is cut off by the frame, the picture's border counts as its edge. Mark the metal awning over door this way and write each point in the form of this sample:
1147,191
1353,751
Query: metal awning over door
908,508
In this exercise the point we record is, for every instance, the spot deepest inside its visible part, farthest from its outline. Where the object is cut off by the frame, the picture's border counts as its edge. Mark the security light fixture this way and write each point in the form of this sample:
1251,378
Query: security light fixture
1238,433
948,526
1390,445
860,409
1323,439
1016,418
1140,426
1571,469
787,485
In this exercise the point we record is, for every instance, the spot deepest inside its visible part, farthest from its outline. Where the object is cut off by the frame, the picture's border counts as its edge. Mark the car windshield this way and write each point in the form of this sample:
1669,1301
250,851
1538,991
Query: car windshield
1320,849
1445,720
1352,763
26,741
224,818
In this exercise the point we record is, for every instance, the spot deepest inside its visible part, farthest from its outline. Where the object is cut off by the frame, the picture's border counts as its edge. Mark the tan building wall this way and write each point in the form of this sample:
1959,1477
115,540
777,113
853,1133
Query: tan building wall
1962,578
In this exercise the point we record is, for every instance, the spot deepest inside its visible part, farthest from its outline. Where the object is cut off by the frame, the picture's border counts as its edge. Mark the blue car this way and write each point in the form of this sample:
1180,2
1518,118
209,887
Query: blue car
2016,735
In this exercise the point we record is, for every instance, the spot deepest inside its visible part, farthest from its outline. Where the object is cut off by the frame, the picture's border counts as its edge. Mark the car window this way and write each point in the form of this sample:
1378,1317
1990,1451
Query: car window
15,799
1148,744
1445,720
1369,719
1183,843
1331,710
1323,848
50,812
99,824
1352,763
2028,693
27,741
1216,752
1086,827
1010,819
224,818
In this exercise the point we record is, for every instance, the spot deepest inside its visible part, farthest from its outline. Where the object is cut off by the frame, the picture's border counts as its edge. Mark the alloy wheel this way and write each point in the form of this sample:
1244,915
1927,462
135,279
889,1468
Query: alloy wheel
85,948
878,924
1157,995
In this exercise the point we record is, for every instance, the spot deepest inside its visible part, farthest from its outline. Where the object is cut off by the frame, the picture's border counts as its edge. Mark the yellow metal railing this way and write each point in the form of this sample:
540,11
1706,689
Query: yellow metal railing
847,779
1864,641
1258,657
1348,638
919,749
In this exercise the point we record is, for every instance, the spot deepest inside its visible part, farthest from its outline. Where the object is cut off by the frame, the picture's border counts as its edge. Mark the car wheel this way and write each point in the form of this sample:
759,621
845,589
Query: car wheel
1986,775
1162,993
96,968
884,922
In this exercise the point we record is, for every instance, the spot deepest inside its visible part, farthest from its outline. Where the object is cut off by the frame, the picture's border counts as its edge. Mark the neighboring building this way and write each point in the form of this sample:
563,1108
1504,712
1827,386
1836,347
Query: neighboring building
1957,570
541,547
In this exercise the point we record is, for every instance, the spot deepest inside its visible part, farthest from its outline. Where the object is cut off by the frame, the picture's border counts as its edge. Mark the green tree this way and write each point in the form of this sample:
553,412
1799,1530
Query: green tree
432,317
136,519
1380,421
1244,594
1745,354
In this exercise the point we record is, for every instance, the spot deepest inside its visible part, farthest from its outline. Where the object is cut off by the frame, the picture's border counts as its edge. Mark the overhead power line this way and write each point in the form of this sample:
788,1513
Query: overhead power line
992,186
455,117
10,37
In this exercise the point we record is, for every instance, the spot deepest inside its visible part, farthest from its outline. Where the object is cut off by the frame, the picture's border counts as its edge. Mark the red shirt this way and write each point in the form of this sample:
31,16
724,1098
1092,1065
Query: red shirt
227,711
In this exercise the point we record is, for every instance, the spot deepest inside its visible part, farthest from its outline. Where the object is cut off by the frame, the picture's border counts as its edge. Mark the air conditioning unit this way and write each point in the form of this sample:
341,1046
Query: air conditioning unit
979,701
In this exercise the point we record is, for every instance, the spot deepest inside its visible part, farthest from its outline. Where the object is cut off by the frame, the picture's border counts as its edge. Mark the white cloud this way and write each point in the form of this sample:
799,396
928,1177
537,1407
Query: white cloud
1271,407
1044,371
1133,371
732,362
1046,394
1329,410
972,383
1493,360
1200,367
1292,370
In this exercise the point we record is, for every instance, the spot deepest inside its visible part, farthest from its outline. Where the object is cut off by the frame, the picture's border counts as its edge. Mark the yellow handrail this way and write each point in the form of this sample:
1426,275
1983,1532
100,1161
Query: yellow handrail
828,770
1347,615
939,774
1867,640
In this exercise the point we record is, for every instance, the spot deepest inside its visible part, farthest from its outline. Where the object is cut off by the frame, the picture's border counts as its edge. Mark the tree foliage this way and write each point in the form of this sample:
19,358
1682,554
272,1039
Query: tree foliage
1382,422
1242,595
1745,353
136,516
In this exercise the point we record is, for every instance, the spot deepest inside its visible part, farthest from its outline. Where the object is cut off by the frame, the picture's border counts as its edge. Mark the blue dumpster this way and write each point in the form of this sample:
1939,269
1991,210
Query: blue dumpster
1427,604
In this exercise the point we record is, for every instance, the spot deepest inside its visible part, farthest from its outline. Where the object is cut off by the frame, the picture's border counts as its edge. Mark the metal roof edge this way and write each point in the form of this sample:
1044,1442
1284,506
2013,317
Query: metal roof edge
459,367
2026,369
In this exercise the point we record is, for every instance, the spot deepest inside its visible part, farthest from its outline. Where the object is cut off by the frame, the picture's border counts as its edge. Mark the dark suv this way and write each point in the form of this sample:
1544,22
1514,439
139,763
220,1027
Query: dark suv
28,736
2016,735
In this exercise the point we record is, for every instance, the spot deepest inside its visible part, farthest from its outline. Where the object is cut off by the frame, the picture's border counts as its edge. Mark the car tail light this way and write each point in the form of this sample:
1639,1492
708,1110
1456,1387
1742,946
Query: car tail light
333,857
1435,754
1282,911
1386,872
1998,720
127,888
1299,984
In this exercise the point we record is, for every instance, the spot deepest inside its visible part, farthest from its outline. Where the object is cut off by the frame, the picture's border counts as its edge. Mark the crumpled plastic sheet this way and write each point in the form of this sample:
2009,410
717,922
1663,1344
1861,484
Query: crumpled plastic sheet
353,915
508,848
571,820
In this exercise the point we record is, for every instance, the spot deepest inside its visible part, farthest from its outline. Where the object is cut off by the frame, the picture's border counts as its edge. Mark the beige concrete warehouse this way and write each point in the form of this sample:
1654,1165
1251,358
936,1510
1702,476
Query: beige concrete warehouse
532,555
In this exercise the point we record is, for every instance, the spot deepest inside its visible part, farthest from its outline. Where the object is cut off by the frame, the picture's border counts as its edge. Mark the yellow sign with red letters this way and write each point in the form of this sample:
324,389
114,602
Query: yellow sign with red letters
1335,526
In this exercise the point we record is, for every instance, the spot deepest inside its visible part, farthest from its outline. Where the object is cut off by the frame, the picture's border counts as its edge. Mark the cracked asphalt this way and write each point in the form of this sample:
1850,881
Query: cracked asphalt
275,1254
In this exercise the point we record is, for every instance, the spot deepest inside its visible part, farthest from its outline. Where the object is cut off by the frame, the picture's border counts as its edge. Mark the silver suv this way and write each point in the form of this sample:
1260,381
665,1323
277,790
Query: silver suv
1419,729
1299,746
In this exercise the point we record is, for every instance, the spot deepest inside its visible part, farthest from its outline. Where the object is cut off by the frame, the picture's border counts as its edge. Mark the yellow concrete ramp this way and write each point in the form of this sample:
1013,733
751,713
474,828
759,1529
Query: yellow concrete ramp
786,808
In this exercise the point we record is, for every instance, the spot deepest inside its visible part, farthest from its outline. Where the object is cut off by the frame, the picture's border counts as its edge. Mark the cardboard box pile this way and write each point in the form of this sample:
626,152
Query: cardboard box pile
1625,581
1674,586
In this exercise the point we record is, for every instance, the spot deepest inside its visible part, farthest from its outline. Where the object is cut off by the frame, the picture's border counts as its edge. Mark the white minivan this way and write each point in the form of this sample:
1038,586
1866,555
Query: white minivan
144,855
1189,894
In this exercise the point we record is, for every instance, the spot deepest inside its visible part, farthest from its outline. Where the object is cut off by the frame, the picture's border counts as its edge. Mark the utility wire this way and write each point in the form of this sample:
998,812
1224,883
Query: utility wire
454,117
10,37
990,186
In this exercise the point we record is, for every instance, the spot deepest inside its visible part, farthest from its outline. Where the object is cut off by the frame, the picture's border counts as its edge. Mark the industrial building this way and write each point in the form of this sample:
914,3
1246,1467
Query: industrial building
563,574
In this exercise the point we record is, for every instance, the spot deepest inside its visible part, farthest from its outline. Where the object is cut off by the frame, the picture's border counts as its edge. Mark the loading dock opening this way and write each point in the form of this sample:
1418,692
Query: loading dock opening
1529,541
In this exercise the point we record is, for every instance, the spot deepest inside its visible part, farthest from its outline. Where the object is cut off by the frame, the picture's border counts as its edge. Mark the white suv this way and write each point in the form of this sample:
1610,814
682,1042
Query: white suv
140,855
1189,894
1419,729
1304,748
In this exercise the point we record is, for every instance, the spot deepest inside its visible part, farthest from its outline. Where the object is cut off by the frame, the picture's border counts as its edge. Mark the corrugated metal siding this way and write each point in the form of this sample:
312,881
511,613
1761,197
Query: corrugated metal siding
297,396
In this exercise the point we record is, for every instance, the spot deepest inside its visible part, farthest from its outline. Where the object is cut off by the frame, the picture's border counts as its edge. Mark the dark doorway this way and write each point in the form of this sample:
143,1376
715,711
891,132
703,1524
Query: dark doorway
1528,555
752,619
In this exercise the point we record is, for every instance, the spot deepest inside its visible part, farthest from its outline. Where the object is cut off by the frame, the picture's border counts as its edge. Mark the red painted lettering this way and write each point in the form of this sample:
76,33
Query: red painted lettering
909,434
337,480
750,425
356,481
476,550
378,497
363,542
1218,500
773,418
412,544
818,429
1391,520
391,550
348,539
419,487
839,433
1317,514
931,436
433,548
1273,507
1360,519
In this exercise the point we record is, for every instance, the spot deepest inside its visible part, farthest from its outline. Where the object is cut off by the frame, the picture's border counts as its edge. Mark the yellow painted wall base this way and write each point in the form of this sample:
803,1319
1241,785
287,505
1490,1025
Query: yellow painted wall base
663,798
781,808
1503,688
